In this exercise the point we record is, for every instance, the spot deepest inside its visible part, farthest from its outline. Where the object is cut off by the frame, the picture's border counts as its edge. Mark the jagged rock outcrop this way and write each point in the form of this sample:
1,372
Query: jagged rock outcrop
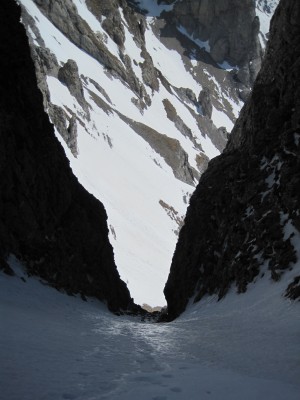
205,103
149,73
168,148
69,76
243,220
113,25
66,126
48,221
63,14
65,17
230,27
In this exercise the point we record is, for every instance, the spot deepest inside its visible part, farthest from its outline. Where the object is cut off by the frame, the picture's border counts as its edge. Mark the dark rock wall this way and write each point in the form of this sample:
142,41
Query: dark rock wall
46,218
230,27
245,212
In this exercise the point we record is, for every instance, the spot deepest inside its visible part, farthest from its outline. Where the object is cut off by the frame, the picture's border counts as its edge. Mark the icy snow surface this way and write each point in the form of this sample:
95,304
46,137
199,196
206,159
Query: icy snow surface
56,347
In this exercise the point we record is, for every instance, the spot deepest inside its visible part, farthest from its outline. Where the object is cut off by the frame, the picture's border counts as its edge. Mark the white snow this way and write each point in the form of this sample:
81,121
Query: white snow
85,13
221,119
56,347
265,18
60,95
169,62
125,177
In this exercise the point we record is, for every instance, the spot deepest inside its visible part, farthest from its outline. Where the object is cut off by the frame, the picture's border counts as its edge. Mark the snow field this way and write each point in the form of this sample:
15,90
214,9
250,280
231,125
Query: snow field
53,346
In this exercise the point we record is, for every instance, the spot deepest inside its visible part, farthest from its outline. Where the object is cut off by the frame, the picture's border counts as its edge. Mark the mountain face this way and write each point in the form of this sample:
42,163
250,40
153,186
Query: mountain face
231,30
243,221
48,221
141,105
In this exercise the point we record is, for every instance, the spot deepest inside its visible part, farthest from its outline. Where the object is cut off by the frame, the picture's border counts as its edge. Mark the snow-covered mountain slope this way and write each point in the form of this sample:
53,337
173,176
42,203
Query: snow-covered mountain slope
264,10
57,347
136,130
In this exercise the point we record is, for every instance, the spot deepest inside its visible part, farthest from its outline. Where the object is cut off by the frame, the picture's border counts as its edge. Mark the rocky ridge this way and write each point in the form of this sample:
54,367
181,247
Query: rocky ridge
65,17
48,220
243,221
229,30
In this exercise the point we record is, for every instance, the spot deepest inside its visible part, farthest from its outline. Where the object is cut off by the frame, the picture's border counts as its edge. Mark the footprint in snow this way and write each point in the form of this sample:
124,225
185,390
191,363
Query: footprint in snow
176,389
83,373
167,375
68,396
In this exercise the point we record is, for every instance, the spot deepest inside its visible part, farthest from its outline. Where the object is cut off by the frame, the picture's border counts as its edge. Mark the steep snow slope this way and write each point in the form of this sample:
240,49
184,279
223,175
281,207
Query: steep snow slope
264,10
144,200
58,347
140,138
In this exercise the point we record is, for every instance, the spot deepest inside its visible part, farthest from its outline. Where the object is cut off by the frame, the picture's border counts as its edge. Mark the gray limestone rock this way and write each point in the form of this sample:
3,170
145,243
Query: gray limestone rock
114,28
66,126
190,95
69,76
231,28
205,103
149,72
243,75
220,49
244,93
168,148
113,25
179,123
223,131
72,135
63,14
187,95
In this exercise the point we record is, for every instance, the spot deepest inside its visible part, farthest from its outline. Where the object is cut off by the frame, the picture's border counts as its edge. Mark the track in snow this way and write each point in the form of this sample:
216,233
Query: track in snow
57,347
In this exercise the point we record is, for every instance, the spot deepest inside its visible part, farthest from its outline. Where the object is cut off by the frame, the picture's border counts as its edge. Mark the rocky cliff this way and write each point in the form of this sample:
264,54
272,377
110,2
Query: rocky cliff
230,29
48,221
243,220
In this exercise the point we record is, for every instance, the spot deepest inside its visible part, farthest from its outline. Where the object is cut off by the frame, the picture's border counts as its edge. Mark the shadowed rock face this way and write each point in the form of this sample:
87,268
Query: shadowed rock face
46,218
231,29
245,212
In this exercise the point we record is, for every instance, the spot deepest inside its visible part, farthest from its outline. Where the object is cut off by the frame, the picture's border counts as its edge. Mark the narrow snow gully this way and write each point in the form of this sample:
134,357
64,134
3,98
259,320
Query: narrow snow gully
54,346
